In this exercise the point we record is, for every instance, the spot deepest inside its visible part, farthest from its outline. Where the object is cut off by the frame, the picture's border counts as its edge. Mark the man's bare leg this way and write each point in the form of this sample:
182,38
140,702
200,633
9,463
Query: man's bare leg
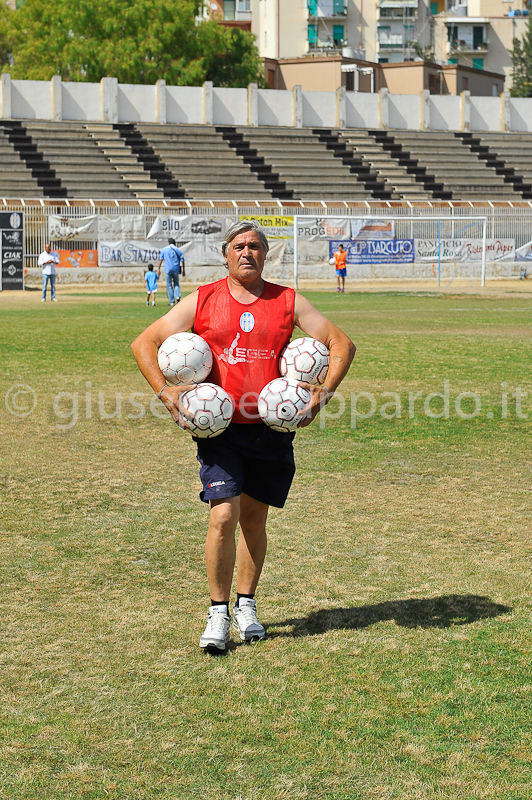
220,547
251,549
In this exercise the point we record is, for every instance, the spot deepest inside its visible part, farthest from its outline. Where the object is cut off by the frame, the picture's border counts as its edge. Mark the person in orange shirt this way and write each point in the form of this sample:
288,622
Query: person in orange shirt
340,261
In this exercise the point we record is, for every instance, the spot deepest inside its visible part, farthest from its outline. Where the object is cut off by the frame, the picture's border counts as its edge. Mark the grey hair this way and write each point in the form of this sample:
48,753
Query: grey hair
243,227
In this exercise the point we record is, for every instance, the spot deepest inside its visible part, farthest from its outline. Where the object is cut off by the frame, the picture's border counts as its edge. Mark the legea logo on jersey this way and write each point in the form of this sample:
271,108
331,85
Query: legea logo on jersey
247,321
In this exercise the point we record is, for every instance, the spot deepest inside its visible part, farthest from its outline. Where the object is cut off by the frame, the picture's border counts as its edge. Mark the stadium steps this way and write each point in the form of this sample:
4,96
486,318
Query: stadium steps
304,164
510,154
451,165
201,160
32,175
256,163
363,149
150,161
123,160
78,162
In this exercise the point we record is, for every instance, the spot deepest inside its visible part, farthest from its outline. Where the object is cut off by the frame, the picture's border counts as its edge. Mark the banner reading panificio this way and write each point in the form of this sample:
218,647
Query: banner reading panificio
463,249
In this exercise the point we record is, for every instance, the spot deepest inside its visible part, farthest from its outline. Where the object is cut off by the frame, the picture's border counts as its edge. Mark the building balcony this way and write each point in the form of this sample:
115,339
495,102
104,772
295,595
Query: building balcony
467,47
327,9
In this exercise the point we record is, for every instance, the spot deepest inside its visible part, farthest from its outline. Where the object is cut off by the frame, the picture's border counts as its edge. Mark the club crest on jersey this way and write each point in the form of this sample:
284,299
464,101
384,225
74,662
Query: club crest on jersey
247,321
236,355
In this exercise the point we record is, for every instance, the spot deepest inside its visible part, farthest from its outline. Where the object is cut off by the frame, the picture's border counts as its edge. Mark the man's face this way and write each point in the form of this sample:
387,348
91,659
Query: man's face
47,248
245,256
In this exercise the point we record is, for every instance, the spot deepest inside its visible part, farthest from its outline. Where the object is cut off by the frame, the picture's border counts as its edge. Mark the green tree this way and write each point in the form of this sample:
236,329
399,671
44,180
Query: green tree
5,35
521,56
136,41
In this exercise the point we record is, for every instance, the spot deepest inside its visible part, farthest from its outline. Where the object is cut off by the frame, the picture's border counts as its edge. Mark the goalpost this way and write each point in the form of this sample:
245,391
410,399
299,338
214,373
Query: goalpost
452,221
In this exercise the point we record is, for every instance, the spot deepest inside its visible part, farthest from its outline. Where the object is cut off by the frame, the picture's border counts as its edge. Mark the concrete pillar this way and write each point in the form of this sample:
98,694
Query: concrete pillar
298,106
384,109
465,98
341,107
505,112
253,104
5,83
57,98
208,103
424,110
160,99
109,95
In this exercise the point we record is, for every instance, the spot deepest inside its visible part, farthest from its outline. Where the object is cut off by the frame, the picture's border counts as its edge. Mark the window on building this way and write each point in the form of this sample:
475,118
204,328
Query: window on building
452,61
271,78
229,9
338,7
494,90
478,36
244,5
383,60
313,8
434,8
265,38
338,34
313,34
350,81
465,84
478,63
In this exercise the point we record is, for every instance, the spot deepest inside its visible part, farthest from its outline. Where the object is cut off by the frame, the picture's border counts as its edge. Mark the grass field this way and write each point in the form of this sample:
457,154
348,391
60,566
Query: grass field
396,591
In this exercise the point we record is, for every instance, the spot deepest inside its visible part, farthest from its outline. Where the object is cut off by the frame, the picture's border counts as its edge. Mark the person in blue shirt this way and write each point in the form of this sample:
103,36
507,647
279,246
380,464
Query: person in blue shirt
174,266
150,281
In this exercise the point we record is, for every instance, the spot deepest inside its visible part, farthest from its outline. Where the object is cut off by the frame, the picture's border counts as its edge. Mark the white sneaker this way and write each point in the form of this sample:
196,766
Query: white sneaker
245,621
216,634
43,300
54,300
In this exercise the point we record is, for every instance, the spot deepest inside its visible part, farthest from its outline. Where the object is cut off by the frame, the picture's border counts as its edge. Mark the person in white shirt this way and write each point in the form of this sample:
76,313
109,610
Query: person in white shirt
47,261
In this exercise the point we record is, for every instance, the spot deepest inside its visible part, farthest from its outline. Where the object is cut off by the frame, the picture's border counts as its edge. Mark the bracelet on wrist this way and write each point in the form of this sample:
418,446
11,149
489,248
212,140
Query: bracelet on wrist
329,394
158,394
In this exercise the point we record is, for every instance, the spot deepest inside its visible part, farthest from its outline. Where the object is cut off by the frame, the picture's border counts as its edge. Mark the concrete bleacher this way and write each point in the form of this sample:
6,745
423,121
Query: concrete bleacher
202,162
303,164
80,164
152,161
16,180
440,159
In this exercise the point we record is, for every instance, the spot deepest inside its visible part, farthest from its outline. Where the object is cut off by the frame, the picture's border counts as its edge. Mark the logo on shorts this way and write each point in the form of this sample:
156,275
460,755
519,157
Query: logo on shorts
216,483
247,321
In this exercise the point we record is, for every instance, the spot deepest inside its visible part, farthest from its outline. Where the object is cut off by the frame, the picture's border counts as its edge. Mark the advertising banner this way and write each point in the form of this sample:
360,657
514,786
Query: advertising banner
77,258
188,228
524,253
275,227
203,254
319,228
463,249
63,229
372,229
12,253
123,226
376,251
128,254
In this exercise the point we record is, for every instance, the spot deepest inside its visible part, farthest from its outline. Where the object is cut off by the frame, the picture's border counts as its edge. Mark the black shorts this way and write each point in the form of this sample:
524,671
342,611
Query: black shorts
247,458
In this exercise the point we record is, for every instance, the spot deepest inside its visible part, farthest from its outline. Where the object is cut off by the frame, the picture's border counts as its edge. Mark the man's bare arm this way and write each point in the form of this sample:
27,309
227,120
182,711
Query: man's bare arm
341,349
179,318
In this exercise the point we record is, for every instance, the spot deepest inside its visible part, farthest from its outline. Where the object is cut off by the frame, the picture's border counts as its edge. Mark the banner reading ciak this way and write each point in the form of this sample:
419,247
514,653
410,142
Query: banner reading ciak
188,228
324,228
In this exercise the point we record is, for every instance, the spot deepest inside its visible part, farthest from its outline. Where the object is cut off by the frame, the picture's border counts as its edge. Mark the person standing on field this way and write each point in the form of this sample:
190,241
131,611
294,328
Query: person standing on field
150,282
174,266
247,322
340,260
47,260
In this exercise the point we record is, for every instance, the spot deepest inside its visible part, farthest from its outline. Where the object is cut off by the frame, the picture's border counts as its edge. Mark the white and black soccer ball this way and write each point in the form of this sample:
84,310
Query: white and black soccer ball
184,358
280,402
332,261
212,409
306,360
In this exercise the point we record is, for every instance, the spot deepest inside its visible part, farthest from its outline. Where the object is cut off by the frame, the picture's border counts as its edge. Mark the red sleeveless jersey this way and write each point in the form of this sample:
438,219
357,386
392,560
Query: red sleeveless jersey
246,340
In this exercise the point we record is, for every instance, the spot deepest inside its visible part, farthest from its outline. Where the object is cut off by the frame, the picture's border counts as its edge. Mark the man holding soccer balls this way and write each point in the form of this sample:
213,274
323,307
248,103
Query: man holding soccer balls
249,465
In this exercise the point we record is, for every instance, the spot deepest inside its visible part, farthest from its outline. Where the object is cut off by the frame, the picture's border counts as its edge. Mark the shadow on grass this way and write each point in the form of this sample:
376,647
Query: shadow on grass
436,612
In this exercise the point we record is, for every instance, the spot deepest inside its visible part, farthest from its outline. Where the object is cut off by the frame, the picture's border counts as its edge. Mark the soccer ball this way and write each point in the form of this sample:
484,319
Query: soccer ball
212,410
184,358
279,403
332,261
306,360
